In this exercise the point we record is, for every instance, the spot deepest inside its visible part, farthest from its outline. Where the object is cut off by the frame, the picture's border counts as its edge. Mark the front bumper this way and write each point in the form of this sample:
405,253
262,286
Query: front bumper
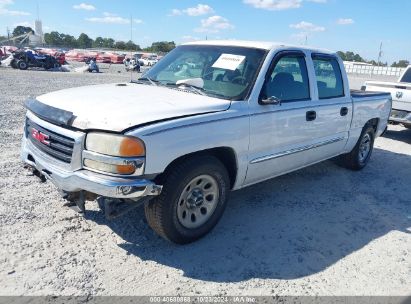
75,181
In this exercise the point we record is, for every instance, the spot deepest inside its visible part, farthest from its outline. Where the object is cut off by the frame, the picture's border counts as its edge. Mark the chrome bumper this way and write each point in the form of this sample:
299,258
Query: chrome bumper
402,117
74,181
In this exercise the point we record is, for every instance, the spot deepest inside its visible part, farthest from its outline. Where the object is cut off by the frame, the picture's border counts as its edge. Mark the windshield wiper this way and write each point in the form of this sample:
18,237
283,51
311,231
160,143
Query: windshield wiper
196,89
152,81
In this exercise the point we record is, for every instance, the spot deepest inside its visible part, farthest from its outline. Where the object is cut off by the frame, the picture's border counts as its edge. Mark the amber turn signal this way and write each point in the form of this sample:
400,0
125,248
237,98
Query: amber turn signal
125,169
131,147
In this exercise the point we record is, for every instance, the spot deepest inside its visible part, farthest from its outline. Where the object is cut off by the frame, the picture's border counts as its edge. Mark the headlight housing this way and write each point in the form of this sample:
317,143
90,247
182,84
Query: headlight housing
115,145
114,154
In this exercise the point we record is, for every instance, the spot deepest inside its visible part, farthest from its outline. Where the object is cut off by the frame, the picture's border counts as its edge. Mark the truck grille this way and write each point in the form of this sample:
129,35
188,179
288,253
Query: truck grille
49,142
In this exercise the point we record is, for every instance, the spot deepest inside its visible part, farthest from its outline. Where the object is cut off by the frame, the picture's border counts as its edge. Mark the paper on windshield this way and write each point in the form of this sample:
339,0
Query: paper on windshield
228,62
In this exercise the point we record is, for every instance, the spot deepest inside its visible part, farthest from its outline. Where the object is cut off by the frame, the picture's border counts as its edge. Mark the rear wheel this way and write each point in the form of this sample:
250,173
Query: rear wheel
192,201
22,65
359,157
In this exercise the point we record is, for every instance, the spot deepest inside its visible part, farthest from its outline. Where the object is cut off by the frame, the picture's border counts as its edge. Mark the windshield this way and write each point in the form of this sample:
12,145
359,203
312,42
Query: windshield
220,71
407,76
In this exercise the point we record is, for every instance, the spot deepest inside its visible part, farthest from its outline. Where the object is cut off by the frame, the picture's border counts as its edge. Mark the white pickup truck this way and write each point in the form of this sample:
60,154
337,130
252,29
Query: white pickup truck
182,136
401,97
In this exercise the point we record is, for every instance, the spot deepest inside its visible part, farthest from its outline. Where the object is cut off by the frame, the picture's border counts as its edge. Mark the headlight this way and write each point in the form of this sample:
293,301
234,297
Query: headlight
115,145
109,168
114,154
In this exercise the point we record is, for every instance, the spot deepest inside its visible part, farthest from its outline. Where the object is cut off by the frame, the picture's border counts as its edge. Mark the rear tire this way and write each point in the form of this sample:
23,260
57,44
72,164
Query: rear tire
193,199
359,157
13,64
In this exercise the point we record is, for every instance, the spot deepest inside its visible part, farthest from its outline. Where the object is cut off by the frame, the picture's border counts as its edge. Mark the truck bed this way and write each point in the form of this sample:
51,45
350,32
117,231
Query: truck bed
400,92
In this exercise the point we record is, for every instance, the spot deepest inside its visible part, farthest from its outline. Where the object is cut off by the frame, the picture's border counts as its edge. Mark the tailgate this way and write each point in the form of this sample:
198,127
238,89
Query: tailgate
400,92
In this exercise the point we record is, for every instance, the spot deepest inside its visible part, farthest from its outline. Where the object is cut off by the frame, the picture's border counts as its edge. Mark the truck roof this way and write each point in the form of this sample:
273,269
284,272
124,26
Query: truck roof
266,45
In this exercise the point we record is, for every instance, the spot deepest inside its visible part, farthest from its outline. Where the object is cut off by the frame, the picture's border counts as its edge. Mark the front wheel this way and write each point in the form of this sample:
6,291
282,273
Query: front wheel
22,65
192,201
359,157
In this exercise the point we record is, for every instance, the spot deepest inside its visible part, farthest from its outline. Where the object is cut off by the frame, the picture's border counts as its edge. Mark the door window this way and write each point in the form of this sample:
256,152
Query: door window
329,78
288,80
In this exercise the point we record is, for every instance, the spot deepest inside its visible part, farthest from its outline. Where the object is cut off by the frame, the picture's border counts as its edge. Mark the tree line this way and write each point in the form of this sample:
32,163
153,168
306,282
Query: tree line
83,41
351,56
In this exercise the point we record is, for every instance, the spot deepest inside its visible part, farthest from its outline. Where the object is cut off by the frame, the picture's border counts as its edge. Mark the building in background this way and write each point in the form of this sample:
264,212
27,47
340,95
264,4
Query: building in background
37,39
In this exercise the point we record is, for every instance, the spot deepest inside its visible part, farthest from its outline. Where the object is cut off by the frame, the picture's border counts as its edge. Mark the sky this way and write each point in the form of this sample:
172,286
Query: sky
347,25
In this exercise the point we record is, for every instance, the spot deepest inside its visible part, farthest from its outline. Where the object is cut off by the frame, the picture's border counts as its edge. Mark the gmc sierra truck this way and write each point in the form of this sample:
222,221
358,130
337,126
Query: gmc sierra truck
401,97
208,118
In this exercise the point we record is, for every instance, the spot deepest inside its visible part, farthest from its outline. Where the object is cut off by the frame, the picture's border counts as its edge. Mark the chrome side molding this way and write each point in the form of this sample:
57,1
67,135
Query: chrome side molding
296,150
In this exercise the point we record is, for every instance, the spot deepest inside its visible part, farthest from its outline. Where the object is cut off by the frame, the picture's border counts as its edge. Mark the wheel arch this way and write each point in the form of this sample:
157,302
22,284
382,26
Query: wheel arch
226,155
374,122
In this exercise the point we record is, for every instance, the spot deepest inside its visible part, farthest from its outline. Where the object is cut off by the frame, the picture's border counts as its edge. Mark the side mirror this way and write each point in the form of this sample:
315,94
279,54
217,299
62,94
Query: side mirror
272,100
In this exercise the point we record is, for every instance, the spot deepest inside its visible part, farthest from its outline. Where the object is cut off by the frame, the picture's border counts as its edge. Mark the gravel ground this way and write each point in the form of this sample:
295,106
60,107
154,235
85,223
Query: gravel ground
320,231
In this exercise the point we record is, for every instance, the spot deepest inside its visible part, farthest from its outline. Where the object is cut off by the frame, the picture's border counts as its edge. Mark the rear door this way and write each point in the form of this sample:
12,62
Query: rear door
332,105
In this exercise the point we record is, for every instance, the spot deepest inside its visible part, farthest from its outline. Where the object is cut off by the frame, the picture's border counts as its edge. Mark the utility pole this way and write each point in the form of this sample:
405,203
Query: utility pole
131,28
131,39
380,54
8,33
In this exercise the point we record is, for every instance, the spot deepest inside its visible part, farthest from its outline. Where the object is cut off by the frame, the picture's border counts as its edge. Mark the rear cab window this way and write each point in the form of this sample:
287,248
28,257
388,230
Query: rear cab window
329,78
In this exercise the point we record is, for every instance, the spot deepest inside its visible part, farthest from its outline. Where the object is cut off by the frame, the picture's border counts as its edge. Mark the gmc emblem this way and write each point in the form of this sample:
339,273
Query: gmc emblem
37,135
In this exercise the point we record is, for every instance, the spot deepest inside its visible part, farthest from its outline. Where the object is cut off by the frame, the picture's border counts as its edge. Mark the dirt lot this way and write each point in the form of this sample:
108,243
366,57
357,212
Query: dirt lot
319,231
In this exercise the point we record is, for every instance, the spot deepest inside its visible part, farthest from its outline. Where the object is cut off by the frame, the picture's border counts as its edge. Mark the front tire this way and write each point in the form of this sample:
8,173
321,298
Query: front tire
22,65
359,157
193,199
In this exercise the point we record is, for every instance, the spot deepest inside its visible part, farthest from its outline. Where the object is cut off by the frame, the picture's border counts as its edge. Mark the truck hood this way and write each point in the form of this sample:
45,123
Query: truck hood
116,107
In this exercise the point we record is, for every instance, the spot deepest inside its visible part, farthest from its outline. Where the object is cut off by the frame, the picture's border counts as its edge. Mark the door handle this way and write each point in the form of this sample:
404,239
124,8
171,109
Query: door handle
344,111
311,115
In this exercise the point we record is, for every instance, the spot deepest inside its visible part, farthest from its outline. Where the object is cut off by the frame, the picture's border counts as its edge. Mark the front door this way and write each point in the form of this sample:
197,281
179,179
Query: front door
280,132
